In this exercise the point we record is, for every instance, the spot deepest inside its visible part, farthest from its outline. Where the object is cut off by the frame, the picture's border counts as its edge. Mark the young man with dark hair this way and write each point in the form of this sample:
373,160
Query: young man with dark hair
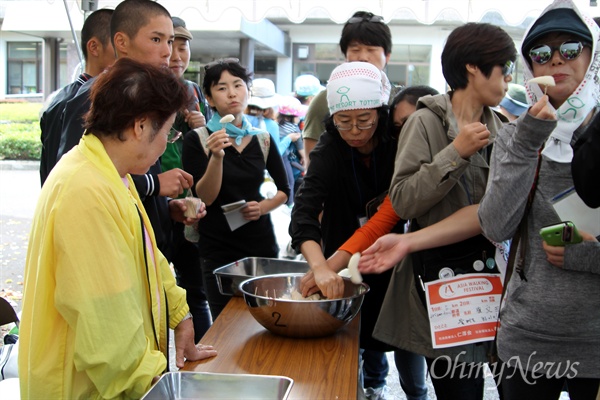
365,37
149,40
133,35
98,54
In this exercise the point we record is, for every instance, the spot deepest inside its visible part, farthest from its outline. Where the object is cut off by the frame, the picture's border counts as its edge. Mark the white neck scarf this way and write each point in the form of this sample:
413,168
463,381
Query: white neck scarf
576,108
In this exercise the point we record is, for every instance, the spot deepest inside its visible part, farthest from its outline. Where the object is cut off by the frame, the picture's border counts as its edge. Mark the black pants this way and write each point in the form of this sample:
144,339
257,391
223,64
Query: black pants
216,300
453,380
517,384
186,261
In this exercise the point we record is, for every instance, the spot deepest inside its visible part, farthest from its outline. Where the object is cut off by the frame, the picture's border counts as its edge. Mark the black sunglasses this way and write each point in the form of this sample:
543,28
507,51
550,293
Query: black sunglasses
542,53
508,68
221,61
366,18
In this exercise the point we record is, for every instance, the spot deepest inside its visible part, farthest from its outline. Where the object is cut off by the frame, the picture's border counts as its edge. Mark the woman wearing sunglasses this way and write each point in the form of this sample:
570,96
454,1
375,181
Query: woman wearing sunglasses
227,162
550,322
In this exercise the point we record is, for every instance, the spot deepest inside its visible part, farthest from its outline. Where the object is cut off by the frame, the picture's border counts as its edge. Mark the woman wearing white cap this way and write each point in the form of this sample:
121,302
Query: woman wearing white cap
550,324
306,87
261,106
351,165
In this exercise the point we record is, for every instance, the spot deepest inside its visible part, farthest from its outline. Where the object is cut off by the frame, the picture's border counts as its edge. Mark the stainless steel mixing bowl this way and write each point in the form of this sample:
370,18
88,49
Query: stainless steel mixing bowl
231,275
299,318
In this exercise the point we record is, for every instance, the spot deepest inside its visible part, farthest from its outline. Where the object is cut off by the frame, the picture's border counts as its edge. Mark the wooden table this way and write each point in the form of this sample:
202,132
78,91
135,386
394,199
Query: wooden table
322,368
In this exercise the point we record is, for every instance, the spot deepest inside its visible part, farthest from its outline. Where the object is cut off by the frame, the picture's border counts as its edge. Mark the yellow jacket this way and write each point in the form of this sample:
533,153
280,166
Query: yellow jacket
91,326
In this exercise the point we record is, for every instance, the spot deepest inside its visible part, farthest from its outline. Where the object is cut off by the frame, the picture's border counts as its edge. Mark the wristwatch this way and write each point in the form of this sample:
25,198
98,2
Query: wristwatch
187,316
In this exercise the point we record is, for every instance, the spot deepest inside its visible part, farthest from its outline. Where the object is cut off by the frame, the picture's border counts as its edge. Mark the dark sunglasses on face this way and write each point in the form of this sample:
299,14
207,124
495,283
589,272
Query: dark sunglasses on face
508,68
221,61
366,18
542,53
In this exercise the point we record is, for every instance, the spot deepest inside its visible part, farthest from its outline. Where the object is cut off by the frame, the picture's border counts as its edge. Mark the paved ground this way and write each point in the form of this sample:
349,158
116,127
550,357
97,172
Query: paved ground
20,186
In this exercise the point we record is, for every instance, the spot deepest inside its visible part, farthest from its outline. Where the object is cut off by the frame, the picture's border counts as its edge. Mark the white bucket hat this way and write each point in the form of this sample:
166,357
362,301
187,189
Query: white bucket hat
307,85
262,94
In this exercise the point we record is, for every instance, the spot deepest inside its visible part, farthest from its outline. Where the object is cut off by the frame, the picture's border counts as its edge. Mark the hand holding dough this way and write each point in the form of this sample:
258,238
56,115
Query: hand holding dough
355,275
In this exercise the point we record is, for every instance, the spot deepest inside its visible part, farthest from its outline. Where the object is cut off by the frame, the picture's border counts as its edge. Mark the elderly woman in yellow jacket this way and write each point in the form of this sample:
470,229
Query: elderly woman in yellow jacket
99,296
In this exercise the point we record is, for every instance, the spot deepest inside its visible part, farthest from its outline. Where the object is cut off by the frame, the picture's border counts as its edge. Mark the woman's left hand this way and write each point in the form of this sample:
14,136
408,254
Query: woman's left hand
384,254
252,211
541,109
185,348
556,254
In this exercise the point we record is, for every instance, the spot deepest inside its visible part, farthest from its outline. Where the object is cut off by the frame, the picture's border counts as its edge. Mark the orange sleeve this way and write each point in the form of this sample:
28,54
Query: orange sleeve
380,224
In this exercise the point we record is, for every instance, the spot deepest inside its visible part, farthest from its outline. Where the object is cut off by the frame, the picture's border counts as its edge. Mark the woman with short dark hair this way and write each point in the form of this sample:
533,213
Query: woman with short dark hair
441,167
227,161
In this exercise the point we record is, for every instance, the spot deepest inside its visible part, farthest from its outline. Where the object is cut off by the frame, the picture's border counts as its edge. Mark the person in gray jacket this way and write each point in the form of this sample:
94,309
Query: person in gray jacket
550,323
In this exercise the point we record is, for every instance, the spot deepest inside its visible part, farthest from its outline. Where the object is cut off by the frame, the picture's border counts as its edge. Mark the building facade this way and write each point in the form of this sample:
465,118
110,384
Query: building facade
276,39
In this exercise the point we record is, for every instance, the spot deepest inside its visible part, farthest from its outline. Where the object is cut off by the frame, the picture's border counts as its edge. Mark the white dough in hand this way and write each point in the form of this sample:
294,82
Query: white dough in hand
344,273
355,275
546,80
227,119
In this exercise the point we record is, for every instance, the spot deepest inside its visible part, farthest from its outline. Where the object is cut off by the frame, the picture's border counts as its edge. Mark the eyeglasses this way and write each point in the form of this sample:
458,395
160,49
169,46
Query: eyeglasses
508,68
221,61
173,135
366,18
569,50
346,126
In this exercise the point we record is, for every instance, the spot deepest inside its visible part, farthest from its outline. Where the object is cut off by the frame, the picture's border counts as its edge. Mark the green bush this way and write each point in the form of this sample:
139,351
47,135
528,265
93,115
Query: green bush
20,131
21,145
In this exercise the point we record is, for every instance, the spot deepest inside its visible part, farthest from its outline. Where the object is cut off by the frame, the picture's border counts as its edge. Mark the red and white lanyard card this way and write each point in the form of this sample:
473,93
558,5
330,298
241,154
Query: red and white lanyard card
463,309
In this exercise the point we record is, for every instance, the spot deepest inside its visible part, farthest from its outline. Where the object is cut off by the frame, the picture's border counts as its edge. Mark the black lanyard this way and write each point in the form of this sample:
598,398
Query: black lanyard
358,188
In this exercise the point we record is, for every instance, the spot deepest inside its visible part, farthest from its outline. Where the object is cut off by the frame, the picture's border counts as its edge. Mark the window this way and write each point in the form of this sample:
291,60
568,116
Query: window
409,64
316,59
24,67
63,73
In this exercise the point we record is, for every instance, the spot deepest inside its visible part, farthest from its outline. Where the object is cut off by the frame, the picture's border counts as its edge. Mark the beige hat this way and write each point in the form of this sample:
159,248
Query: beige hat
180,29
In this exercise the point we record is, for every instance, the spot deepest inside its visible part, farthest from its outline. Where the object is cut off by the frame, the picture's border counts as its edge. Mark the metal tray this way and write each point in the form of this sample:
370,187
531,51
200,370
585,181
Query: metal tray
211,386
230,276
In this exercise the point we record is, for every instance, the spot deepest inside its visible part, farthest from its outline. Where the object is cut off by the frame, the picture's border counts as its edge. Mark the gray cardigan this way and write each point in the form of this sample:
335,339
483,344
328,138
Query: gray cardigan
554,315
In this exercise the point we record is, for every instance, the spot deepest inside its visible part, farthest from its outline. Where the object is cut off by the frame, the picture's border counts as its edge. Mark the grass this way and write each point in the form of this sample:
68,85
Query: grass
20,112
20,131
